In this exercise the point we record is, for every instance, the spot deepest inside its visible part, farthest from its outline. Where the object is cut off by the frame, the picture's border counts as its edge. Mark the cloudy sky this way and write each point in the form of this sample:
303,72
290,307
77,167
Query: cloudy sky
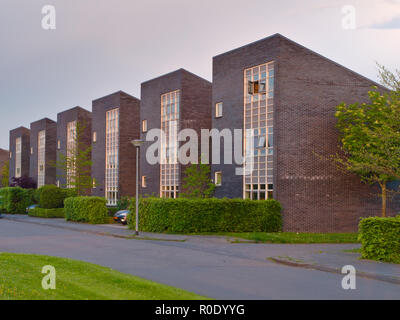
101,46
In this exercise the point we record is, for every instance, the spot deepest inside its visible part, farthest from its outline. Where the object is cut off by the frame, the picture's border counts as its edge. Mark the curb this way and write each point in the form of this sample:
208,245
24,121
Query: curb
362,274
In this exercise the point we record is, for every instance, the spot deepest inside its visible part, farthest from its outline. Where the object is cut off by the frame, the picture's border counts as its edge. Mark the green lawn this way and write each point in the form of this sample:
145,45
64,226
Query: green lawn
21,278
292,237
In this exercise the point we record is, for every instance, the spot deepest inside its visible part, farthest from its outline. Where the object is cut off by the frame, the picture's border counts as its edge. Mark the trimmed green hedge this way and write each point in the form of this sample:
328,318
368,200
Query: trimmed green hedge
380,238
86,209
112,211
15,200
207,215
47,213
51,197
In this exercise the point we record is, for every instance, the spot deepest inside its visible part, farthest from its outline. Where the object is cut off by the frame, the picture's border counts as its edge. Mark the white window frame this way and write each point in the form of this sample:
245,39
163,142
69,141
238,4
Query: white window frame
71,150
218,173
112,157
41,158
170,123
18,157
144,125
144,181
219,109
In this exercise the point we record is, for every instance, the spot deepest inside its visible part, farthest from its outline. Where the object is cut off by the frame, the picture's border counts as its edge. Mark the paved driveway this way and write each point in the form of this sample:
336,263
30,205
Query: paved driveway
207,266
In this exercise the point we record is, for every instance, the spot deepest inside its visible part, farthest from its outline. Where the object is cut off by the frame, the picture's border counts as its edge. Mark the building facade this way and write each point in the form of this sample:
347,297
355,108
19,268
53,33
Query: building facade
284,97
68,123
173,102
43,152
115,123
19,152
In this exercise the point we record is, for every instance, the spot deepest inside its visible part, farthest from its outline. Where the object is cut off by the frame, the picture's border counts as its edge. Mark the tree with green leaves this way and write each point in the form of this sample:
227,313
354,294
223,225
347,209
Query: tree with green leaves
197,182
76,164
370,140
5,172
388,78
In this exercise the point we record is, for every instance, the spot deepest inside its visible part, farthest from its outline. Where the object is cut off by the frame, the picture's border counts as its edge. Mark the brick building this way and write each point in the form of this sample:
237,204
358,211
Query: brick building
43,152
67,122
19,152
172,102
115,123
286,95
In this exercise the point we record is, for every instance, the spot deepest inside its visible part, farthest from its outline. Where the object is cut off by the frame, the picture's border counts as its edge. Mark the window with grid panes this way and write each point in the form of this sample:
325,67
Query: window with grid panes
258,117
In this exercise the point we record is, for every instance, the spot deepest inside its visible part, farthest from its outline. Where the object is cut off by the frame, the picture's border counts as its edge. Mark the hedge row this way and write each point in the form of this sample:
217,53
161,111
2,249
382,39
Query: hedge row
86,209
15,200
207,215
52,197
47,213
380,238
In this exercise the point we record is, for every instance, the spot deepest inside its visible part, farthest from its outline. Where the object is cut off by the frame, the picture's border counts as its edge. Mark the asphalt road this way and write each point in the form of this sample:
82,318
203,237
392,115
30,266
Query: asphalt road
207,266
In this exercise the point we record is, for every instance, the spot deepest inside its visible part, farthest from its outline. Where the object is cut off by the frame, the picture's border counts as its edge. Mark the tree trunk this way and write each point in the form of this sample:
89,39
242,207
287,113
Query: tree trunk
384,199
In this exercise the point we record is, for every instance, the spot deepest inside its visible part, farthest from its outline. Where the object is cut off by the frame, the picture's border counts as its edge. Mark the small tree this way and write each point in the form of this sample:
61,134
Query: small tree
76,164
388,78
370,140
5,172
197,182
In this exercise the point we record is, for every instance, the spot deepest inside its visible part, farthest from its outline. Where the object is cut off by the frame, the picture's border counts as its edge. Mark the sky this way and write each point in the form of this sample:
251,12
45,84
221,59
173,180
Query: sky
102,46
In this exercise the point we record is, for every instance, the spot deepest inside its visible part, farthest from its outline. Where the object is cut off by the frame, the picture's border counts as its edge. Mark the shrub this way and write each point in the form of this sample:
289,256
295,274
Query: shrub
24,182
123,203
86,209
51,197
47,213
15,200
207,215
380,238
112,211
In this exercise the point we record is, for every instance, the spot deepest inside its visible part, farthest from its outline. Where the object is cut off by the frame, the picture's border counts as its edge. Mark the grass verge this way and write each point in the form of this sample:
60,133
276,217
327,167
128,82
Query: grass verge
288,237
21,279
292,237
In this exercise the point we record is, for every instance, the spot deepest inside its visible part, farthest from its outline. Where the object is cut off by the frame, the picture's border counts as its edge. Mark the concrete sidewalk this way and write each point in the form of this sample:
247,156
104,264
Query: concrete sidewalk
334,260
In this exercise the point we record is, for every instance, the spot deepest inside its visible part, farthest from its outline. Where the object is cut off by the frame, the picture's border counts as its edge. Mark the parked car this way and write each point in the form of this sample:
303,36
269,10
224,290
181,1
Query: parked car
31,207
121,216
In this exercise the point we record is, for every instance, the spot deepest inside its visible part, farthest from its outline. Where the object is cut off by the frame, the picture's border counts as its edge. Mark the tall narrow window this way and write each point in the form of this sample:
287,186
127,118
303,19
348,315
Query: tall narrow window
71,153
112,157
144,182
144,126
95,136
18,149
258,120
218,178
218,109
169,168
41,158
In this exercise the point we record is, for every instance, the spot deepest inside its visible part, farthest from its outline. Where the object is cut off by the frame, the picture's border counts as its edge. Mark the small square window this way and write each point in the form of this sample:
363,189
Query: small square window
144,182
219,109
144,125
218,178
95,136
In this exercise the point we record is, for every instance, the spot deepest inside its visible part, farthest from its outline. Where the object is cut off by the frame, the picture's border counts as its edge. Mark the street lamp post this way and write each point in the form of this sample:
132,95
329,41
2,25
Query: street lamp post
137,144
